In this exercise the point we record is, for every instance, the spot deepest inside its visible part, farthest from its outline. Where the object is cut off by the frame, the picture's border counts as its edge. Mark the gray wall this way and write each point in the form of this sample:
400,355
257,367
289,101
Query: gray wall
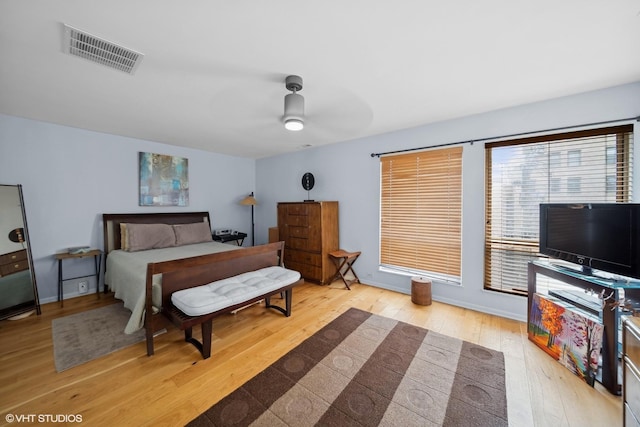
70,177
346,172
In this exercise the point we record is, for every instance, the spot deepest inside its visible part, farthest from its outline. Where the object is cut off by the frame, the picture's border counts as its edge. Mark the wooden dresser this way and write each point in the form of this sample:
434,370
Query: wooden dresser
631,371
309,231
13,262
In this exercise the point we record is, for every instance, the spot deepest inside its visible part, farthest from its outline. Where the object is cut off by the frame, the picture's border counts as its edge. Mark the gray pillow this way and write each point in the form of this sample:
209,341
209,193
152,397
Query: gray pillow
197,232
141,237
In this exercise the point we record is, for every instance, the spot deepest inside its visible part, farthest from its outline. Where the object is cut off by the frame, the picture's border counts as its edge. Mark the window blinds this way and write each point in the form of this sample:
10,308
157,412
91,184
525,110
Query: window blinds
420,218
586,166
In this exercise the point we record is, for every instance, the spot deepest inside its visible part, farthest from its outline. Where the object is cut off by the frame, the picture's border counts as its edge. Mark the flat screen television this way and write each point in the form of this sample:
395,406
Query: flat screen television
602,236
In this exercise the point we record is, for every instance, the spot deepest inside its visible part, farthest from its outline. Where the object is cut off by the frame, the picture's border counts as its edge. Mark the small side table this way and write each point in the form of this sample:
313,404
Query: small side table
224,238
97,260
421,290
342,258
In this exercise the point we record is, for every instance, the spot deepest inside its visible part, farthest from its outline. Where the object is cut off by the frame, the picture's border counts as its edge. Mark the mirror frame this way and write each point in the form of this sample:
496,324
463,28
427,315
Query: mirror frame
27,306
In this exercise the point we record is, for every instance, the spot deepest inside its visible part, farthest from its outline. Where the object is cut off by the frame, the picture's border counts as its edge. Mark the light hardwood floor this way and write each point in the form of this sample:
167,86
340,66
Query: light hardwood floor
127,388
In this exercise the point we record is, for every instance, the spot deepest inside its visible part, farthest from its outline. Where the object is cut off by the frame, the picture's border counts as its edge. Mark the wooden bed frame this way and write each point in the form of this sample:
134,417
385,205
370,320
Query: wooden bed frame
153,322
194,271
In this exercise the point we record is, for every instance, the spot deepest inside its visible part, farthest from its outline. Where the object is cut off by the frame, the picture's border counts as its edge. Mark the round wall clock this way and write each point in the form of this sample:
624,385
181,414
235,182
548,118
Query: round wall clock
308,181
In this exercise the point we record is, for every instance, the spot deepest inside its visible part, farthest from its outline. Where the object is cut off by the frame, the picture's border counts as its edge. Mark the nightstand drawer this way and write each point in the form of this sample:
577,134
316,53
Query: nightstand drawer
14,267
13,257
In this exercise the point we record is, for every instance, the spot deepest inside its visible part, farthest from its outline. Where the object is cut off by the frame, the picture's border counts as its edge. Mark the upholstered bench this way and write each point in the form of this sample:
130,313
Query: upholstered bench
215,284
200,304
235,290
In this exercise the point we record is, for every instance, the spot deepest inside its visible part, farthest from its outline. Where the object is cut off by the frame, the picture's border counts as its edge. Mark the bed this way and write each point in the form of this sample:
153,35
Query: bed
128,260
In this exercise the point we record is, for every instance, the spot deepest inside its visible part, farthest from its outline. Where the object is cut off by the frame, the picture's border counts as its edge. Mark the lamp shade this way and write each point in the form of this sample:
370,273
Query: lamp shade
249,200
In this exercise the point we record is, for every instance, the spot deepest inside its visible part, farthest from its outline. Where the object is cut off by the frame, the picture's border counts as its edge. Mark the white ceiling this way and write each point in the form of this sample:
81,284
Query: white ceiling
212,77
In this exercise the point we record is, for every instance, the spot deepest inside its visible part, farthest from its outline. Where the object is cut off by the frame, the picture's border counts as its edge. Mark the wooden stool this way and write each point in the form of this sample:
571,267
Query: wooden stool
342,258
421,291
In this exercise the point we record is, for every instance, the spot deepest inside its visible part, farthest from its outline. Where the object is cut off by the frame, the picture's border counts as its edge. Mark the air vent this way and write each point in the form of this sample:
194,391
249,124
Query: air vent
95,49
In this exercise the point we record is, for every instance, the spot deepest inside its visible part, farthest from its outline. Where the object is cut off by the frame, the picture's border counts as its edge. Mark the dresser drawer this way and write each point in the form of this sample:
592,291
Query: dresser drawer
14,267
303,257
297,209
631,341
297,220
13,257
309,272
297,243
301,232
631,386
629,418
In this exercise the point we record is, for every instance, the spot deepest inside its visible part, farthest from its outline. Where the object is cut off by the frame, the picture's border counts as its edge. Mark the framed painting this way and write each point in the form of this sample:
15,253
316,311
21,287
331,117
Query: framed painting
164,180
569,335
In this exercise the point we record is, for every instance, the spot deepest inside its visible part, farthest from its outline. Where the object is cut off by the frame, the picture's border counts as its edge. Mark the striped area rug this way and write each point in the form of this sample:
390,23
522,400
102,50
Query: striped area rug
366,370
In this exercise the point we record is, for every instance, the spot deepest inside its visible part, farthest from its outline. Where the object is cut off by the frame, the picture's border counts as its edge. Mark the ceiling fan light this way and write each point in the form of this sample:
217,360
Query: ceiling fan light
294,106
293,124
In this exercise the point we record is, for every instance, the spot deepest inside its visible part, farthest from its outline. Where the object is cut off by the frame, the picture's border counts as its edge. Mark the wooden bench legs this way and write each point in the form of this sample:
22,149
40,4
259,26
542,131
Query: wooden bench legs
205,346
287,298
149,334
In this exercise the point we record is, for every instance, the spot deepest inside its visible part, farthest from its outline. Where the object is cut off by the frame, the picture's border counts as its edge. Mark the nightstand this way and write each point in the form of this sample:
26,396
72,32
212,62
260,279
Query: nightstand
97,259
224,238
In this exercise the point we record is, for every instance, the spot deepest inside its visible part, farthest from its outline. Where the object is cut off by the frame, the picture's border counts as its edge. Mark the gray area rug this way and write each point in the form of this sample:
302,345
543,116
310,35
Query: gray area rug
366,370
85,336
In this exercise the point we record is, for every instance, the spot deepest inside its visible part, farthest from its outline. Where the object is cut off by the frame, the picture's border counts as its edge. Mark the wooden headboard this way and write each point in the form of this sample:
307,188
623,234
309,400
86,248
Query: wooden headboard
111,223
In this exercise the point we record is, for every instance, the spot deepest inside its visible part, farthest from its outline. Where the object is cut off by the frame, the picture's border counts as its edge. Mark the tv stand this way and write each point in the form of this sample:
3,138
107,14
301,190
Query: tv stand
610,317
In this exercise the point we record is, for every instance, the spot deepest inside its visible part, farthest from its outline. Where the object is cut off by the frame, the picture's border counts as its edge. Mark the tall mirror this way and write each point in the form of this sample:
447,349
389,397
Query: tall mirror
18,291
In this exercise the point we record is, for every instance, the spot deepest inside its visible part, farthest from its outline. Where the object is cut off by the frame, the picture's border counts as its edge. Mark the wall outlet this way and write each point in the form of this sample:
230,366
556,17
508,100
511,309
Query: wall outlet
82,287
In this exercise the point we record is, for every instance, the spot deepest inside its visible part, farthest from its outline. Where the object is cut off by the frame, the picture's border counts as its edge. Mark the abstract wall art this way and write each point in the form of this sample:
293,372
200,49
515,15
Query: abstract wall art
164,180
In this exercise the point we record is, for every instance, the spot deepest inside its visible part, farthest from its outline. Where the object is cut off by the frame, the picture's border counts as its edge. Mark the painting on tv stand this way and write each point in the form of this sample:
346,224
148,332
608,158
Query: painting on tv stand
572,337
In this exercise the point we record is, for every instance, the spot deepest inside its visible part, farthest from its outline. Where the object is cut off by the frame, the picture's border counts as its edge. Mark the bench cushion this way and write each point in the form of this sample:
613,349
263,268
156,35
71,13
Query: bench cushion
224,293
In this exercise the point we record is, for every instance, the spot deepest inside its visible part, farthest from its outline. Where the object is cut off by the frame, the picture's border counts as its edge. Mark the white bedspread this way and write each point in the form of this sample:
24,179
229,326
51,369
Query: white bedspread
126,275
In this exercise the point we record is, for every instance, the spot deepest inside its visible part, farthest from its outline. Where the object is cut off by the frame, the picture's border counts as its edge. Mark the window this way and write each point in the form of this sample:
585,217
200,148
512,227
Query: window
420,213
574,157
523,173
574,184
611,155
